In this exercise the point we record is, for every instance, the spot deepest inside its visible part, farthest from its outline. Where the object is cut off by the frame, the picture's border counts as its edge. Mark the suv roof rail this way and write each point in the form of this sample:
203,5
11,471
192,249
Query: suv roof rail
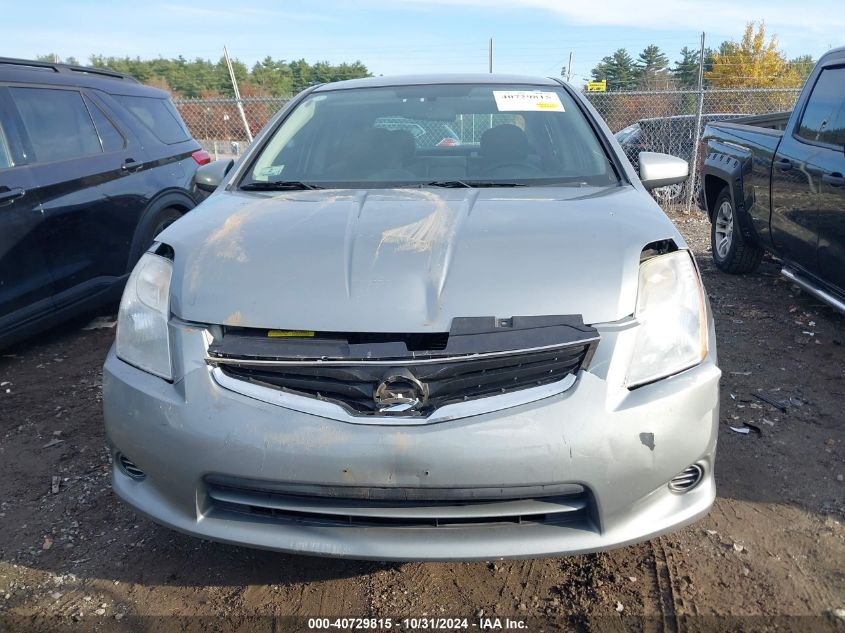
67,68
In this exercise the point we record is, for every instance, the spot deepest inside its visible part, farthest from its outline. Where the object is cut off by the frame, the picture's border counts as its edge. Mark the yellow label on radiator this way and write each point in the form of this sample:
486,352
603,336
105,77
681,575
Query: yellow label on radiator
290,333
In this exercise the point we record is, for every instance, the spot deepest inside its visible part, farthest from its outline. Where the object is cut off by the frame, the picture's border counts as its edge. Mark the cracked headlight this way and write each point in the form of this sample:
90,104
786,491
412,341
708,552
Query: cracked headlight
672,331
142,333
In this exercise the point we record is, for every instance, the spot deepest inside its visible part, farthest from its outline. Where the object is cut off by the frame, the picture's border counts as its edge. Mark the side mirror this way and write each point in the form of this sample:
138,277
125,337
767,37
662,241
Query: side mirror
208,177
661,170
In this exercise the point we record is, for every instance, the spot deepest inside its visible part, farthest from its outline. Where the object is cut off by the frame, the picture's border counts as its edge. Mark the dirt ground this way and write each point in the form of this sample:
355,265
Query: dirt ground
770,556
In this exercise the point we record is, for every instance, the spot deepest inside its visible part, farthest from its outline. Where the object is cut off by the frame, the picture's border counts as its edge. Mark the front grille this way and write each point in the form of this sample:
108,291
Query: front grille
394,374
447,382
356,512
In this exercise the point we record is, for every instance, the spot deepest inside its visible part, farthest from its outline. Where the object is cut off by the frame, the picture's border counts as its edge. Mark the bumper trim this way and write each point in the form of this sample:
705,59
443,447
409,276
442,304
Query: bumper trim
662,511
397,514
395,362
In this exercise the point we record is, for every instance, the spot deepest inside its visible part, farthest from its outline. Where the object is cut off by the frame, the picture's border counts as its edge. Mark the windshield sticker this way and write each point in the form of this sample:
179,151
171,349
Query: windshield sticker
273,170
527,101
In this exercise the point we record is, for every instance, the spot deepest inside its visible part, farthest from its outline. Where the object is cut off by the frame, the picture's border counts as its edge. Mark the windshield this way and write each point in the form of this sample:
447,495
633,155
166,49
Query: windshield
435,135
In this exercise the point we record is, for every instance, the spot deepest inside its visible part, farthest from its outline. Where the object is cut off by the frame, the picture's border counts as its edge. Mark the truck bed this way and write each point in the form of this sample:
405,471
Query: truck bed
748,137
772,121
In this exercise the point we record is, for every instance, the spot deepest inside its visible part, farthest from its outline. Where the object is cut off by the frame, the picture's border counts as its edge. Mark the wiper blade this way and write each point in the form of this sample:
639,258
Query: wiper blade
447,184
279,185
469,184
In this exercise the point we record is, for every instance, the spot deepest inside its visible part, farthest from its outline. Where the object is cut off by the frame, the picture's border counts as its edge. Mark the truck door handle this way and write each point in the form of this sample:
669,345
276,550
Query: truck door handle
10,195
834,180
784,164
130,164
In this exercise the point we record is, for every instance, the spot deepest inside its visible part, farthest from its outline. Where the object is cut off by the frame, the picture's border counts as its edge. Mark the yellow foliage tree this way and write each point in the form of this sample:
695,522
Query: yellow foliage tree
753,62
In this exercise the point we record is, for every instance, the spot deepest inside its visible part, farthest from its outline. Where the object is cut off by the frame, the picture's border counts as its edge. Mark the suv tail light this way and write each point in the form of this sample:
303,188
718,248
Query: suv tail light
201,156
447,142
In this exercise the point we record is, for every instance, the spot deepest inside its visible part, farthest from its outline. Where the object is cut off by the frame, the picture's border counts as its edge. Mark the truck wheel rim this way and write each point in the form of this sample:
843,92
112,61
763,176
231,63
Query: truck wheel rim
724,229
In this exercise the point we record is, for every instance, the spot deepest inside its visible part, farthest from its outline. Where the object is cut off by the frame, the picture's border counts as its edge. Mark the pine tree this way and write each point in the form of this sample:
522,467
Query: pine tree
652,68
618,69
803,66
685,71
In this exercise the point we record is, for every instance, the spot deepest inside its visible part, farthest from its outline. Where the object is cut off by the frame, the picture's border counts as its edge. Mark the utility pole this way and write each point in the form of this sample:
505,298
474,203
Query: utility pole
693,177
569,68
490,56
237,95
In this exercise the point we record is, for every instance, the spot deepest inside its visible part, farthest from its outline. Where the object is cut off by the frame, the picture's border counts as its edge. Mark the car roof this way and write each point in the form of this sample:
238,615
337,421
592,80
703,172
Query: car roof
110,81
437,79
834,53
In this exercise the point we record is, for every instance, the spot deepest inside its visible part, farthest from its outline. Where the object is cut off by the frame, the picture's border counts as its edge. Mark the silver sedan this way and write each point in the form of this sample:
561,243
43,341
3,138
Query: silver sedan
377,345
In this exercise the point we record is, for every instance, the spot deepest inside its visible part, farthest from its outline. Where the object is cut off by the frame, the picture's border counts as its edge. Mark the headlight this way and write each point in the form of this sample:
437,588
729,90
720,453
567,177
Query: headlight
142,335
672,331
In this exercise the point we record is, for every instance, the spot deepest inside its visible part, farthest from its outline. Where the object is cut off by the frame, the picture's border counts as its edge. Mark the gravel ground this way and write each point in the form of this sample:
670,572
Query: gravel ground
769,556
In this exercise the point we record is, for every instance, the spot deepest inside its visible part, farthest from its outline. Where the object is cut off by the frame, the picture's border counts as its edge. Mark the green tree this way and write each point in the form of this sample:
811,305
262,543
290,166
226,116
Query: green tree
618,70
651,68
202,77
273,76
803,66
685,71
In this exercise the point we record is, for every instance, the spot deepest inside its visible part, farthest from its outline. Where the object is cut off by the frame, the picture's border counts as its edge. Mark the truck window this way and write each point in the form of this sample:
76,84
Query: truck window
5,155
824,117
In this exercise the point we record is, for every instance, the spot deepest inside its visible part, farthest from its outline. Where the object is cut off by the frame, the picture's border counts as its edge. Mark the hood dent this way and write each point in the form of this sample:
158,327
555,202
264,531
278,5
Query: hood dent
410,260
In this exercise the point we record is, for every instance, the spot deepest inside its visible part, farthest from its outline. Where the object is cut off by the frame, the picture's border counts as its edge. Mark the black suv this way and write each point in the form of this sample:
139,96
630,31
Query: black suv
92,166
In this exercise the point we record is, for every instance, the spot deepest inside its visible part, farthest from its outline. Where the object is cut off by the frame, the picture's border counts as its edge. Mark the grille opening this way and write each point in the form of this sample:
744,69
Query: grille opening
687,479
234,502
369,373
128,467
316,518
447,383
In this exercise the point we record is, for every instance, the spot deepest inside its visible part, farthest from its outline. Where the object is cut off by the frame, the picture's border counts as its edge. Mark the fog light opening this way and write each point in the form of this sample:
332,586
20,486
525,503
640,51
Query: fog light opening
128,468
687,479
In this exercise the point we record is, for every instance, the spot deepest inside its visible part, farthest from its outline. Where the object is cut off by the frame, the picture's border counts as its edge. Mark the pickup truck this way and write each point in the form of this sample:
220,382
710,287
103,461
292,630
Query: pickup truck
779,186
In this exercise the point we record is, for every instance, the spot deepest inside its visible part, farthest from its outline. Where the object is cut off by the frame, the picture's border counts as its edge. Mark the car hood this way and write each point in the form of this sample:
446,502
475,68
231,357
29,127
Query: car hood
408,260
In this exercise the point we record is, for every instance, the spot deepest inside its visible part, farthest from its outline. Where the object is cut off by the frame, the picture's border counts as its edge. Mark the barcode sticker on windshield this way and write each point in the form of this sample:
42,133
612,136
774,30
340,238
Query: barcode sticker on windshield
527,101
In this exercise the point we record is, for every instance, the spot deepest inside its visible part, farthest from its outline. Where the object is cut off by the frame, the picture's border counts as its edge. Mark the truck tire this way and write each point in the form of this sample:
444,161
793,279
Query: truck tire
732,252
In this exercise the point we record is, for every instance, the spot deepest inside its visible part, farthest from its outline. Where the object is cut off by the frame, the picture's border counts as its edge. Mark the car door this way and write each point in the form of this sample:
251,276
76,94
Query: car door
25,281
795,185
78,160
831,211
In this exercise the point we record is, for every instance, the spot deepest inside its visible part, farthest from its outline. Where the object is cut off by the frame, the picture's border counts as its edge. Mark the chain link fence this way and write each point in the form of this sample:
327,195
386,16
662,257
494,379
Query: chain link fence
216,123
669,121
672,122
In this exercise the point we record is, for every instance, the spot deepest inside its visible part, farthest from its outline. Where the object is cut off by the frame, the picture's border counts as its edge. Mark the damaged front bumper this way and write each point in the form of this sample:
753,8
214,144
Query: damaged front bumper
583,470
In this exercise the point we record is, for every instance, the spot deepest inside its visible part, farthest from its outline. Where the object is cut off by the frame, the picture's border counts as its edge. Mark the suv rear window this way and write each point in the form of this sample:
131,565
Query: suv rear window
159,115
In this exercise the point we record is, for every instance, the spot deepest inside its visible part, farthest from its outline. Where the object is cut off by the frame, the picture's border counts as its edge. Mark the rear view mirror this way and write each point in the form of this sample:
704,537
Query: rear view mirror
661,170
208,177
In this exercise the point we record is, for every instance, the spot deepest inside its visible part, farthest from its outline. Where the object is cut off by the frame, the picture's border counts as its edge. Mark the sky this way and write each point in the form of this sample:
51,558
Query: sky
410,36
